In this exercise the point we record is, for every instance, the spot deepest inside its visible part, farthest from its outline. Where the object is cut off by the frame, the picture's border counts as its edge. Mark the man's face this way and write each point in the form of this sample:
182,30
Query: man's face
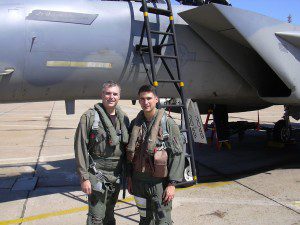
148,101
110,97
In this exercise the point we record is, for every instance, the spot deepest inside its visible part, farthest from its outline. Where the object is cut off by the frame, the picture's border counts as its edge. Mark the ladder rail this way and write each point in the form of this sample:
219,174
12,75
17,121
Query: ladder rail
165,36
178,84
147,70
142,36
146,23
170,74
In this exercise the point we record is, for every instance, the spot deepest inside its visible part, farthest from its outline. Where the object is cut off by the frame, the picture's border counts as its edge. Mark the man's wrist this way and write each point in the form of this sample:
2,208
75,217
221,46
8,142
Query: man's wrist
83,179
172,183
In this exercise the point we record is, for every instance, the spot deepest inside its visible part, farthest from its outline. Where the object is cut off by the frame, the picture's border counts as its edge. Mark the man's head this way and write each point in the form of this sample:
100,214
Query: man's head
147,98
110,94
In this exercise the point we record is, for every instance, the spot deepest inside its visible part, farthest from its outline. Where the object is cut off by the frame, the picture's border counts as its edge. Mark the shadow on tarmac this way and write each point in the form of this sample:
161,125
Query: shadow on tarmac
246,158
256,153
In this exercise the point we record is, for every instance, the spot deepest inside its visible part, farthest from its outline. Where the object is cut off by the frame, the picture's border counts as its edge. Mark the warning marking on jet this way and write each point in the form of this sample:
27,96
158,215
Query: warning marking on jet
63,17
79,64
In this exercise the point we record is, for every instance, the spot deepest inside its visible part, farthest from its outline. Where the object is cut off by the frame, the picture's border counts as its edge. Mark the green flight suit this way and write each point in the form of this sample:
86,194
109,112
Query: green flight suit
108,160
148,190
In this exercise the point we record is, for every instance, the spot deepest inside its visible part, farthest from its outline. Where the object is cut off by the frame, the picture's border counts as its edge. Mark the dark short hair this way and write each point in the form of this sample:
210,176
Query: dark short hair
147,88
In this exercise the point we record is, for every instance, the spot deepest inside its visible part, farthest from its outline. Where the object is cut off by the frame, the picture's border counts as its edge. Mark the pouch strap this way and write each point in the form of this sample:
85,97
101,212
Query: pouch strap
163,122
96,120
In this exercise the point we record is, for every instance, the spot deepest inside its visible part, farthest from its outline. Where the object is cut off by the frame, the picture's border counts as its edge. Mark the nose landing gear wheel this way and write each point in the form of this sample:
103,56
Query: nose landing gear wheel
187,173
282,132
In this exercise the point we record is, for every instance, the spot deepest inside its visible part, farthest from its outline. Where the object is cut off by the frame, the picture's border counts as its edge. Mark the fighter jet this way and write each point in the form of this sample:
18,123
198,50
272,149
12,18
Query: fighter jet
65,50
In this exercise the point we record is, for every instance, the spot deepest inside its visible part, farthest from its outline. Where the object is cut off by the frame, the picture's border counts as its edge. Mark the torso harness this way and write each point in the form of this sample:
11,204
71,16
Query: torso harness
103,183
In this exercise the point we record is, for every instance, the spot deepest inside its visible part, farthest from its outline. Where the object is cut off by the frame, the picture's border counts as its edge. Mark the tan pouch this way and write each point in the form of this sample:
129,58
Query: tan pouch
160,164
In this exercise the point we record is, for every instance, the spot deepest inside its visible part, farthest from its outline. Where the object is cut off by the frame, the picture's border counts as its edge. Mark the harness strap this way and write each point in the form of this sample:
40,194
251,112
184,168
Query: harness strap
101,177
96,120
163,122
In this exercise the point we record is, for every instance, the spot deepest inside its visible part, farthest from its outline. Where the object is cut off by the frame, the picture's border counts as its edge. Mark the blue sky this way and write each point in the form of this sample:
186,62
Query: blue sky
279,9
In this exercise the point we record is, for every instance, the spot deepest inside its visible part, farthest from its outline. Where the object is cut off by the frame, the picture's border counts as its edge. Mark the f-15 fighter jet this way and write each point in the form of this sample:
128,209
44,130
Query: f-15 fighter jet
64,50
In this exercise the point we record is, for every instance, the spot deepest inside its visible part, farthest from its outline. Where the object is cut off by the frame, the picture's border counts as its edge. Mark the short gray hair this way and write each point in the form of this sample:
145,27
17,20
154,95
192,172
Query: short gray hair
109,84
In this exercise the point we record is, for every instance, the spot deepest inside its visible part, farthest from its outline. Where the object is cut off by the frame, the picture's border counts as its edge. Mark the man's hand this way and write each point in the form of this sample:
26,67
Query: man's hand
169,194
86,187
129,185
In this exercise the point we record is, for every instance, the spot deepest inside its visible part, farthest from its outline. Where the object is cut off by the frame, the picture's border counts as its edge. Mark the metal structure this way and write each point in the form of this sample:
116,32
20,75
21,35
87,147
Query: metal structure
65,50
155,52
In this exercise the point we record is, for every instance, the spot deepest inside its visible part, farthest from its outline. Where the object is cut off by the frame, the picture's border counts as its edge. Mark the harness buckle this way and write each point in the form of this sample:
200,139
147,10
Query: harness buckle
93,167
163,146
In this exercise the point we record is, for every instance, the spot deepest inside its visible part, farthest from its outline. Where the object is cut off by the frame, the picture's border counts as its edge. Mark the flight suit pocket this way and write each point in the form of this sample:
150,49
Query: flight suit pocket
101,136
100,148
175,142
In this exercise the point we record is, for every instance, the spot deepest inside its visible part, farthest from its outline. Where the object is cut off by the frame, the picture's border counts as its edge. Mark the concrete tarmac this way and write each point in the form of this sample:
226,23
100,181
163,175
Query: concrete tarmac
249,184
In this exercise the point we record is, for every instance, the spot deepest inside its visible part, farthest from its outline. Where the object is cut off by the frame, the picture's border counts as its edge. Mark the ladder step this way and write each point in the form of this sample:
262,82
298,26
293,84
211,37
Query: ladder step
161,32
172,106
169,81
156,48
166,56
183,130
167,44
145,48
188,155
157,11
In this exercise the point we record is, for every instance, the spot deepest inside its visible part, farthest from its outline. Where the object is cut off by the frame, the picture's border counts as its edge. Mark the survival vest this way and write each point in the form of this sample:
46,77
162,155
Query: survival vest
114,137
147,152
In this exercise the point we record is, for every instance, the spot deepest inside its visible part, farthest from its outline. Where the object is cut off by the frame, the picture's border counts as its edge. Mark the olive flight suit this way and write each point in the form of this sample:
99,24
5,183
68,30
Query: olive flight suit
108,160
147,189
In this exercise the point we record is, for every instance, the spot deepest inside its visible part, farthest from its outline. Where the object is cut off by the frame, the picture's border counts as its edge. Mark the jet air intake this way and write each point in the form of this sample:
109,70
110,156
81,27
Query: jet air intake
262,50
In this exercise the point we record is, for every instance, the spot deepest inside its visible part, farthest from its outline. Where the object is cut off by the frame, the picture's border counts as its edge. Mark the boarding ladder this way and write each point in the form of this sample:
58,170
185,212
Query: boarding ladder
154,52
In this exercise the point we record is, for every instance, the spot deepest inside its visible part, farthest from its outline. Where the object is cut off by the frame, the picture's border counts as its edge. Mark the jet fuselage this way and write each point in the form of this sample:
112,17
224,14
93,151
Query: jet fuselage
65,50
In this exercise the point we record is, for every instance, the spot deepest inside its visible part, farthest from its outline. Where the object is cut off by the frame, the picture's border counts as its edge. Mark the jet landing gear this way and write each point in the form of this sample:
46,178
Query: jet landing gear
282,131
187,173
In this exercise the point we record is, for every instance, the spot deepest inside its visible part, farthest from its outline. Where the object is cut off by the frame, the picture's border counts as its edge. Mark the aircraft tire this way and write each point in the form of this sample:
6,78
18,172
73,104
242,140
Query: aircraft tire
281,132
187,174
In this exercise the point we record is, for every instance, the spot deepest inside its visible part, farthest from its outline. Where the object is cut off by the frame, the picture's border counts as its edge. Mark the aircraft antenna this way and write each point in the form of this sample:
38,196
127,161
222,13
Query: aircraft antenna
289,18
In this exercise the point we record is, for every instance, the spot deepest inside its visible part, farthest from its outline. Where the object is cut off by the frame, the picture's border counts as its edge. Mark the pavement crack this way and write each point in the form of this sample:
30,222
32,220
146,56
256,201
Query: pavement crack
265,196
43,140
2,113
228,177
37,162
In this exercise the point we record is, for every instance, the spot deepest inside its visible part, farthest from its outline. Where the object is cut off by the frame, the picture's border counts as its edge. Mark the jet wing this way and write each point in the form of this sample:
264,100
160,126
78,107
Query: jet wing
276,42
291,37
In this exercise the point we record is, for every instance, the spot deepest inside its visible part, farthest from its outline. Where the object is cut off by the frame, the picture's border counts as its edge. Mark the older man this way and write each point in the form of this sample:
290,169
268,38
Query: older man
100,142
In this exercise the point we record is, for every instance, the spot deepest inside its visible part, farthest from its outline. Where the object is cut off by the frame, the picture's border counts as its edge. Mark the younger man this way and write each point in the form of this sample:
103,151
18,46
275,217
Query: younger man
156,159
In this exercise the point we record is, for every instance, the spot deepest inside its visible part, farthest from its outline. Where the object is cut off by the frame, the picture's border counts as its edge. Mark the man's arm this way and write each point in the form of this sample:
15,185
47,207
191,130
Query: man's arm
129,166
176,159
124,163
81,154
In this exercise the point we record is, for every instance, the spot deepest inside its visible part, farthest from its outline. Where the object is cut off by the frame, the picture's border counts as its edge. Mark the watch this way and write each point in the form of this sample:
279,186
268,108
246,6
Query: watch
172,182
